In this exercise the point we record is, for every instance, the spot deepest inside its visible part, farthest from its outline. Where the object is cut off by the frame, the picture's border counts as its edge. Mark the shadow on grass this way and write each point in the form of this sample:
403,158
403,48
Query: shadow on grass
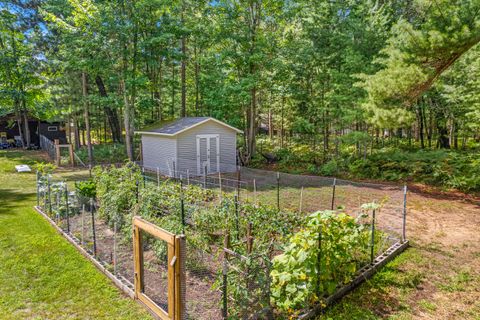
25,156
11,199
385,294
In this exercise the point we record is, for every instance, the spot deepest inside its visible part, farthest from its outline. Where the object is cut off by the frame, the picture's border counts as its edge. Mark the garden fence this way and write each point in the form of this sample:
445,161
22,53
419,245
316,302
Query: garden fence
227,278
48,145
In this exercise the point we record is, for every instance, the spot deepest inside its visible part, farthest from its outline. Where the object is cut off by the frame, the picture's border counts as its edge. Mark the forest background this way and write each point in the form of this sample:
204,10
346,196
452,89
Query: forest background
367,89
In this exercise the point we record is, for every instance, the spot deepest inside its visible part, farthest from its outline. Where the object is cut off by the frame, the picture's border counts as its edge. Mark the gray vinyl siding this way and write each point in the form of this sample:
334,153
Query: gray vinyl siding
187,147
159,152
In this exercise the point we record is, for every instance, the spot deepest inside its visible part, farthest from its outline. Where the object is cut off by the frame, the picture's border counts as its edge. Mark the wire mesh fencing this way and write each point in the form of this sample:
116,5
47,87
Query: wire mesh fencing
78,217
237,225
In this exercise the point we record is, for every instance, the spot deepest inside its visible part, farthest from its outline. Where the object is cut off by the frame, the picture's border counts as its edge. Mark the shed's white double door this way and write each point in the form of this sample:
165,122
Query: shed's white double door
208,153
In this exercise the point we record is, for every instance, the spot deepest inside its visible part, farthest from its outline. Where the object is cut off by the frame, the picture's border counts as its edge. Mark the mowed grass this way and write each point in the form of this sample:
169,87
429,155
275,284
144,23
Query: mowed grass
41,275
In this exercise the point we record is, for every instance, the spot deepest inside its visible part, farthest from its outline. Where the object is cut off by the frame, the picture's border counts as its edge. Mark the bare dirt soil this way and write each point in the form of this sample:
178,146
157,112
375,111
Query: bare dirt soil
445,229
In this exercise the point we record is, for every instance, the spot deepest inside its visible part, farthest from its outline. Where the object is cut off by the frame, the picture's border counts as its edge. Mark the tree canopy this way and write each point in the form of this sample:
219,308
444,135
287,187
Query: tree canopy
316,69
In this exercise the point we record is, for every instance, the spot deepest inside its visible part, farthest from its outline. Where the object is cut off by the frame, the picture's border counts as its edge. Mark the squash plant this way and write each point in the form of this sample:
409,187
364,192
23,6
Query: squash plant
322,255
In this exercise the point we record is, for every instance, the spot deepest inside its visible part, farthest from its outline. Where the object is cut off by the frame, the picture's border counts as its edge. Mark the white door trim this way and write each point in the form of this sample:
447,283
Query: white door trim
217,156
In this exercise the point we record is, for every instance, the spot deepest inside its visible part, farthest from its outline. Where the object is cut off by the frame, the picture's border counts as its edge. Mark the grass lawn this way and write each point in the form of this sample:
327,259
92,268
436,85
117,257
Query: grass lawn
41,275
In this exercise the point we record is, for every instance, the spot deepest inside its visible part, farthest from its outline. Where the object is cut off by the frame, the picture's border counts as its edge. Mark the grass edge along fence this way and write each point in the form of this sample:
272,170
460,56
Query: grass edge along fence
246,255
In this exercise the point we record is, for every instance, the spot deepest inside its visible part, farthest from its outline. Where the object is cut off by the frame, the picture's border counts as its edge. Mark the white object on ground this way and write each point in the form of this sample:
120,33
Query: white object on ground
23,168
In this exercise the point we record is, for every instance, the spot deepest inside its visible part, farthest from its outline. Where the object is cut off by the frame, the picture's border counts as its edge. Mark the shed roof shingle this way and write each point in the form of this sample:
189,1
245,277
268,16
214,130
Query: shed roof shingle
182,124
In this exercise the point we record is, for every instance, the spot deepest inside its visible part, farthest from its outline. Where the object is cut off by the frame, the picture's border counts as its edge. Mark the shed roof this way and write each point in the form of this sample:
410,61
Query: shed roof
183,124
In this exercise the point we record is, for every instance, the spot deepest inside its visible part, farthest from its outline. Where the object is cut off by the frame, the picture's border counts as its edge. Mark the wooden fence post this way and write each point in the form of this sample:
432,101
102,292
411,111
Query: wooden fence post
57,153
70,152
180,286
226,242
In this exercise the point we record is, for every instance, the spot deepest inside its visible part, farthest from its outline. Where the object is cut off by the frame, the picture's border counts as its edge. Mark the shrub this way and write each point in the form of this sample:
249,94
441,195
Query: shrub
104,153
330,168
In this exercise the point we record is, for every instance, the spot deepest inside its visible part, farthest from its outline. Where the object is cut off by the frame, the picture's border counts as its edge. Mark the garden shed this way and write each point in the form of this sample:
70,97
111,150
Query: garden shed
190,145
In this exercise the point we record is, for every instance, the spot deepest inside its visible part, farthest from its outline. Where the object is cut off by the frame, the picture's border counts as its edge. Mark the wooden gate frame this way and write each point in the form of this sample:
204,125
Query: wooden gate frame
58,156
176,275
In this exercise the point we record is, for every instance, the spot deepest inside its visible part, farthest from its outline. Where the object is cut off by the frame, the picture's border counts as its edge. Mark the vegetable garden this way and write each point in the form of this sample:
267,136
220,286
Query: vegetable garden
246,257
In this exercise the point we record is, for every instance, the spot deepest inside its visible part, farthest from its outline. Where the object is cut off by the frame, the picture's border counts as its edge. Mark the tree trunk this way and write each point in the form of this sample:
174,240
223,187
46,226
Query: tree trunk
451,132
87,117
282,122
112,115
20,127
270,123
183,110
158,91
420,130
429,127
27,129
128,127
197,83
251,127
76,133
172,106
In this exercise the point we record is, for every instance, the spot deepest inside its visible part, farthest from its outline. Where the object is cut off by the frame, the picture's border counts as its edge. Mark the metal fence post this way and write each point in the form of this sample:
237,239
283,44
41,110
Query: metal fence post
115,247
143,176
182,205
174,170
278,191
136,192
372,241
92,209
238,182
49,197
83,225
44,195
237,222
220,185
319,258
301,200
67,208
38,195
254,192
57,204
158,177
333,192
404,226
205,177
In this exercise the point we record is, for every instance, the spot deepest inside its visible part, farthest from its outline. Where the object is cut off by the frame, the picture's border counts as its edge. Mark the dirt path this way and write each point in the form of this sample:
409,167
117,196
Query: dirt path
445,229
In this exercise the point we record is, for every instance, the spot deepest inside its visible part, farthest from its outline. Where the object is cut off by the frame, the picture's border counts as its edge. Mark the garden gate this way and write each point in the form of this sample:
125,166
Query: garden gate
175,306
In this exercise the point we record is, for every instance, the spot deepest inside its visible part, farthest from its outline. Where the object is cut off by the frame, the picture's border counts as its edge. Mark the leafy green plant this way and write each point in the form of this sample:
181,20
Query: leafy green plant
45,168
322,255
117,190
104,153
87,188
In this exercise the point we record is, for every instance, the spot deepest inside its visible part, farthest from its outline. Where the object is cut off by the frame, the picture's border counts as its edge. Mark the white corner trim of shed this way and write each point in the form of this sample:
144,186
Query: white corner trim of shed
190,146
